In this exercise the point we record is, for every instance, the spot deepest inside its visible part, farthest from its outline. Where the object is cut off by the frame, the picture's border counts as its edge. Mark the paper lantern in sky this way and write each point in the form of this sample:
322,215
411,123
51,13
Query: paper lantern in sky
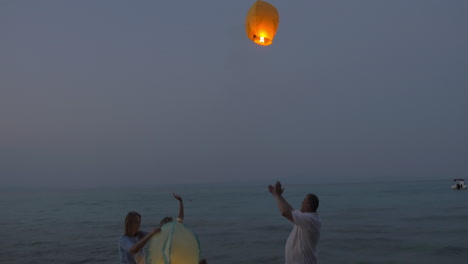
262,22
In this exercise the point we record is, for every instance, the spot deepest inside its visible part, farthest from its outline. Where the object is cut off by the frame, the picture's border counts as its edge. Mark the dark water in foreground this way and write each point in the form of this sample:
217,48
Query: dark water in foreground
404,222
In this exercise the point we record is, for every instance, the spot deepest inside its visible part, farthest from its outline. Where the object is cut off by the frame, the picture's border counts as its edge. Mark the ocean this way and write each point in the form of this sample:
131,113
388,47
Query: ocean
393,222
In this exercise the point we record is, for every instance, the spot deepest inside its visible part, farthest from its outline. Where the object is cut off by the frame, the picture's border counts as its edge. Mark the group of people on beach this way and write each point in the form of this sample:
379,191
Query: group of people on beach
133,241
301,246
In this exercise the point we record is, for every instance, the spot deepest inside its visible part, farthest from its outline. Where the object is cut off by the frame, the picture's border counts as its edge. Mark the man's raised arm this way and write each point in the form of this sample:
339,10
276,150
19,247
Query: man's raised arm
284,207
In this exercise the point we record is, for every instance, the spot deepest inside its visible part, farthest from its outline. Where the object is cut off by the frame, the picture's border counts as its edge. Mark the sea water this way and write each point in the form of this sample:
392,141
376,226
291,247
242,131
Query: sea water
397,222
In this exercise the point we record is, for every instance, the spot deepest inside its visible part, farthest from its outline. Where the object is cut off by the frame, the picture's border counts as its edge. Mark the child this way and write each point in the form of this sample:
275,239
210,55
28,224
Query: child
180,218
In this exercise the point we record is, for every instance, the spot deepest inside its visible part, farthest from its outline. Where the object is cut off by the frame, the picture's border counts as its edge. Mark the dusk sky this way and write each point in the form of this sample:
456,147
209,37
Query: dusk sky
119,93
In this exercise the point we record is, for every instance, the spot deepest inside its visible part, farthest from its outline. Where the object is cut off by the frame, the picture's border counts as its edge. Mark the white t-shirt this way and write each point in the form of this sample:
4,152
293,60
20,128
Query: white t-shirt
301,247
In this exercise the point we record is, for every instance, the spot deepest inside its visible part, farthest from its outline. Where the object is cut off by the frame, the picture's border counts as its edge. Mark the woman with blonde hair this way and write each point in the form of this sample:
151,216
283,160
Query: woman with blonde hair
134,240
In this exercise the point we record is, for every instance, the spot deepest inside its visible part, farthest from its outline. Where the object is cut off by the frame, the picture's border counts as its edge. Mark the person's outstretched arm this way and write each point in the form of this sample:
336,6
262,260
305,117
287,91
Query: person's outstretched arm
284,207
180,218
140,244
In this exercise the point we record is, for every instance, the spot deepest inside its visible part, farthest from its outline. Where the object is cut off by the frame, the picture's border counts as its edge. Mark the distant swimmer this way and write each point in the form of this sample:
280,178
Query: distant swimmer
301,246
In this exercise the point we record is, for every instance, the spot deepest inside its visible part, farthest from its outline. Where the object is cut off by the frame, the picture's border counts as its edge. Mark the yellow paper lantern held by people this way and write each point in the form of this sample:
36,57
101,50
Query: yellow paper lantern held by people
175,244
262,22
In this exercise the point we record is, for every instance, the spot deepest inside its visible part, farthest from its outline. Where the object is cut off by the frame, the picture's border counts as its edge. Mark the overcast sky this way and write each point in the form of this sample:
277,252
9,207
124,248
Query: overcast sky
116,93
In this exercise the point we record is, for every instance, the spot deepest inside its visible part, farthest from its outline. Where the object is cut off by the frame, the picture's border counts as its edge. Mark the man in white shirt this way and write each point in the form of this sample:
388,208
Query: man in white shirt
301,247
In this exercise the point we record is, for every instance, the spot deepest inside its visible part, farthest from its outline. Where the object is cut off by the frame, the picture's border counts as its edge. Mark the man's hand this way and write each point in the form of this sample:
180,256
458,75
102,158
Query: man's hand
177,197
283,205
278,190
272,189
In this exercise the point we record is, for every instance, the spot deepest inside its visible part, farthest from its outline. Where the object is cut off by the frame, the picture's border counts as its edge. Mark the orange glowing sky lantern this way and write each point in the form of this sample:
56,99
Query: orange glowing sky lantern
262,22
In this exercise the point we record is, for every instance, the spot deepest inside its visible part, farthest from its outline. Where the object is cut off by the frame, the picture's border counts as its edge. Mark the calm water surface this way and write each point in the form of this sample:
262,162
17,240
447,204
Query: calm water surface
402,222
